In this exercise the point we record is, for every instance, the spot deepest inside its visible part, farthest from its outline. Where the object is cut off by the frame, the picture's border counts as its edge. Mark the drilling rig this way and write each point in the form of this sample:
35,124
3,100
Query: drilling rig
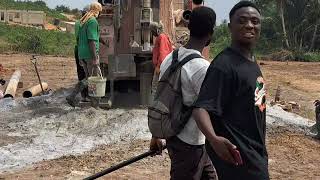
126,59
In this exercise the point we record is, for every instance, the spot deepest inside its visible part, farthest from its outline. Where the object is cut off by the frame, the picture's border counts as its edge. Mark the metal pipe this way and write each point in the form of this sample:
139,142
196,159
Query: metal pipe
146,19
121,165
35,90
13,85
147,3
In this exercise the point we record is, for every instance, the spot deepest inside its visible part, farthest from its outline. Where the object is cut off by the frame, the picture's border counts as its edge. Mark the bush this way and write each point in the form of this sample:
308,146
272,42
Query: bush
268,47
307,57
37,41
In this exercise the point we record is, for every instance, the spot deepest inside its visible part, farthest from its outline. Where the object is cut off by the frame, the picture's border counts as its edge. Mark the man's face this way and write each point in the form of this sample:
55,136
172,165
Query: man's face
245,26
96,14
154,32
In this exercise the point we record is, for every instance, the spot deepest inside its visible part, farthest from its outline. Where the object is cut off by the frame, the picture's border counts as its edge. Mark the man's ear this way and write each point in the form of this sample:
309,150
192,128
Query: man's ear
229,26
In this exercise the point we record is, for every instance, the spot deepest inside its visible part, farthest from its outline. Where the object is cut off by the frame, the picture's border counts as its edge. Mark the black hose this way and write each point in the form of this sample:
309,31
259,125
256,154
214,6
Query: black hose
121,165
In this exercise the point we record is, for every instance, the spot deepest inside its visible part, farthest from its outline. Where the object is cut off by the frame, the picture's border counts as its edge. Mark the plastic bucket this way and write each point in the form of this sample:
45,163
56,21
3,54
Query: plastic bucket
97,85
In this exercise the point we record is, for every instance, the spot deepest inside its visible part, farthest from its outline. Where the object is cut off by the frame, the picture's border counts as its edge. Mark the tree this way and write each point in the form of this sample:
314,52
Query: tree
280,5
299,21
63,8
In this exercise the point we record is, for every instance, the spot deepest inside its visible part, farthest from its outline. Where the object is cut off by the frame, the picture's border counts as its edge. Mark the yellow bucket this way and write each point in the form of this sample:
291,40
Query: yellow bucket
97,85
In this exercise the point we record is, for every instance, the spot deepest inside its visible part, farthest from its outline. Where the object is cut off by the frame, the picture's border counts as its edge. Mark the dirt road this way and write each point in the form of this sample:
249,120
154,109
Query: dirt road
292,155
299,82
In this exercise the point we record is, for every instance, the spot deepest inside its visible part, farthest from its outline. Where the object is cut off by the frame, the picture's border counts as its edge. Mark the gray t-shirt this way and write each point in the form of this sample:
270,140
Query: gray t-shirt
192,76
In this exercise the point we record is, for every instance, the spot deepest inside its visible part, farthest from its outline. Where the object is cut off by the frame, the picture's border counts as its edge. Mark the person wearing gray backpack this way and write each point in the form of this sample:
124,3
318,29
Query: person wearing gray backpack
169,116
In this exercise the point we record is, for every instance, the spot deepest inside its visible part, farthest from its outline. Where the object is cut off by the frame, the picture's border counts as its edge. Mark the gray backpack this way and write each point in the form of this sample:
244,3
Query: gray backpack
167,115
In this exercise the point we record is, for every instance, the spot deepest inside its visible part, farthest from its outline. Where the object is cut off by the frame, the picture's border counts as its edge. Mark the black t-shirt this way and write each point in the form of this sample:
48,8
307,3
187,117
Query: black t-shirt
233,93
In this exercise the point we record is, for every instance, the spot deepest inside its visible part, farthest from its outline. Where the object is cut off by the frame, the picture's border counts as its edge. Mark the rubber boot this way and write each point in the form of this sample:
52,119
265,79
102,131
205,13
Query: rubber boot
95,102
84,95
71,99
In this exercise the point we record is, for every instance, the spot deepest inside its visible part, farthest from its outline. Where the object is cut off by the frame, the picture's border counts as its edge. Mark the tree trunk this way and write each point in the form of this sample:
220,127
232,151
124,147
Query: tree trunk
314,37
301,43
283,24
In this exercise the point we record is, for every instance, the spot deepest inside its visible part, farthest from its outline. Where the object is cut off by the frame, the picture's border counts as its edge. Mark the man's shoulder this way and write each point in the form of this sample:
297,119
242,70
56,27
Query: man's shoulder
163,36
199,61
194,65
166,62
224,60
92,21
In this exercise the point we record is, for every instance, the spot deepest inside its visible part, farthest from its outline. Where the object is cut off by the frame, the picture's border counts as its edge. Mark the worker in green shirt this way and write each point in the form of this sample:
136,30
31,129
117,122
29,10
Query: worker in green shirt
80,71
88,48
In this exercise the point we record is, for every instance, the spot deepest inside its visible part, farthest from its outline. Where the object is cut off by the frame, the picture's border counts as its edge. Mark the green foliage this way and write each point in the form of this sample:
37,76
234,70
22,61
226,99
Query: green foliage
221,39
29,5
298,19
31,40
302,26
63,8
307,57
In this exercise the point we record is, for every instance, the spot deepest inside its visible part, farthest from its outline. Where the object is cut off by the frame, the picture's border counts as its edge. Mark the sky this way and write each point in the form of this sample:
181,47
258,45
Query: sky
222,7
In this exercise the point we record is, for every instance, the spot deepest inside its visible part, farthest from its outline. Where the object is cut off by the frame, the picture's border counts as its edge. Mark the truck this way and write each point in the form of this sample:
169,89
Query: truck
127,55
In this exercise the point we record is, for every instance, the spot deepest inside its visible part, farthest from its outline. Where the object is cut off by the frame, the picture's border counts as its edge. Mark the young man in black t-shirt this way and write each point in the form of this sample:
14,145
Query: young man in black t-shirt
230,110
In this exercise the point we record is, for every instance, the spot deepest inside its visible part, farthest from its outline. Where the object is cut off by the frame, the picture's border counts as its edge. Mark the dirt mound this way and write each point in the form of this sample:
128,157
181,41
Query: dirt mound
48,128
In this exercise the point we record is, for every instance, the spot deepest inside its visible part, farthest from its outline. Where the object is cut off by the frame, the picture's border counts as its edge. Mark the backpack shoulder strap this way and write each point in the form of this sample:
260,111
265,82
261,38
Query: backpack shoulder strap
175,56
175,64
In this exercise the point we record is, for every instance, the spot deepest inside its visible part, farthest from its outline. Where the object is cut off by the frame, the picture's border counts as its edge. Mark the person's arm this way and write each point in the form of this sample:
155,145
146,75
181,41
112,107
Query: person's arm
155,56
165,48
93,49
102,41
93,38
222,146
212,97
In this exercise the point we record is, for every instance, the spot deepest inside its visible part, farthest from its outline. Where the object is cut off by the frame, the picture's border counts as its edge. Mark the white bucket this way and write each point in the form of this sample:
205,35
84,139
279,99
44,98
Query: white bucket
97,85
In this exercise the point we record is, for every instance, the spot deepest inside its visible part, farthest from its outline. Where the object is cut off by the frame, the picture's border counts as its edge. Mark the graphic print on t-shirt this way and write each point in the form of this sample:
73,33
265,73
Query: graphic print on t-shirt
260,94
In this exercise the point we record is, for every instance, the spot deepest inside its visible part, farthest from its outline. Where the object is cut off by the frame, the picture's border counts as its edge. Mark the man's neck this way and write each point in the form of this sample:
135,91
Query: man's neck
195,44
244,50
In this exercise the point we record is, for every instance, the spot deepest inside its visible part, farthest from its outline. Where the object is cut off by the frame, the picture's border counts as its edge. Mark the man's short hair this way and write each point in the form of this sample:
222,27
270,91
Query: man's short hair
202,22
197,2
156,27
240,5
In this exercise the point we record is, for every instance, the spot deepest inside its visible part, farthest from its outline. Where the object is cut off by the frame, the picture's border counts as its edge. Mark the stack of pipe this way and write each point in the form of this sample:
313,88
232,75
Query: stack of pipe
35,90
13,85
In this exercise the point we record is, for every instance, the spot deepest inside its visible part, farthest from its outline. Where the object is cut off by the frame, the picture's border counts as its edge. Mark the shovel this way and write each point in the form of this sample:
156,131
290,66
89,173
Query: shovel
34,62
